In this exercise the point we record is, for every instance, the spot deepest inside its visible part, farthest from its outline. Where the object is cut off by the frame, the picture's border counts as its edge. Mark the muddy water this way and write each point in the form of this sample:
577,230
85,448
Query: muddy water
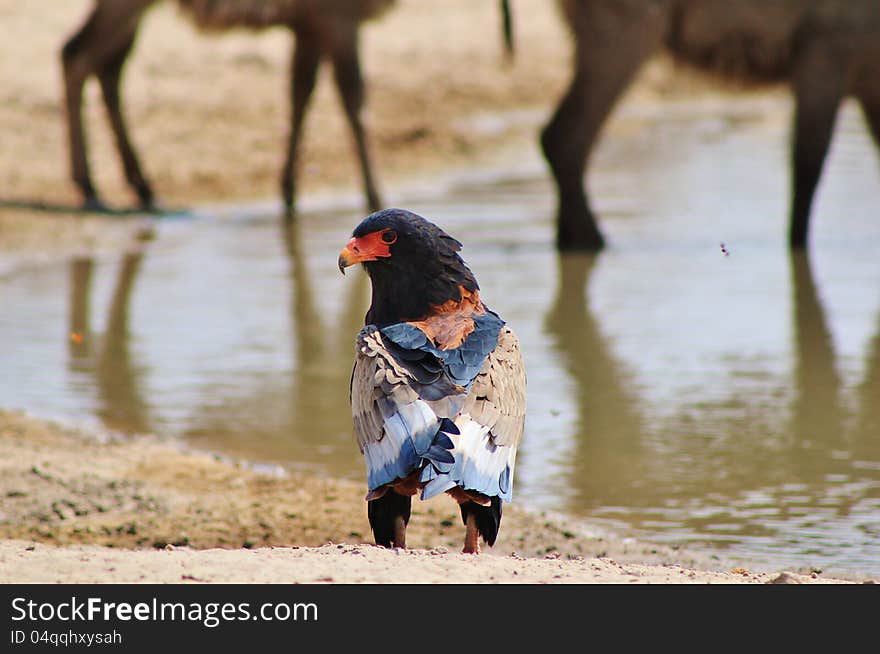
721,398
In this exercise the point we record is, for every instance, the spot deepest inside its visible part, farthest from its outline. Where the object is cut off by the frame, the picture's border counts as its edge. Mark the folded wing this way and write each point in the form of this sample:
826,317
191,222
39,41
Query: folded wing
398,430
490,424
454,417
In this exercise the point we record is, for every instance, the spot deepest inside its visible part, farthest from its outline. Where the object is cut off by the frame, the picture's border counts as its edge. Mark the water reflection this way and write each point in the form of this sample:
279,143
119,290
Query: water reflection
607,465
106,356
706,475
867,444
325,352
817,426
297,414
822,477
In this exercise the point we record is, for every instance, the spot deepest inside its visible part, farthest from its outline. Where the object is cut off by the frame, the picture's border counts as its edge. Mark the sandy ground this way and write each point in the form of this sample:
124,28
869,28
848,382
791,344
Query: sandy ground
209,115
345,563
83,507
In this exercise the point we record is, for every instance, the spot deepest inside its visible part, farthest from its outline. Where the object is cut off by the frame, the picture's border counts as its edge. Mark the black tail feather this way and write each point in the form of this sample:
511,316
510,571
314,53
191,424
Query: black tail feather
488,518
383,513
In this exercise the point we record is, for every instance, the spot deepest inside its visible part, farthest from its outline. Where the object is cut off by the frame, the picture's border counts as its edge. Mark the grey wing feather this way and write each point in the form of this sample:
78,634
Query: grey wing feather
497,397
377,384
397,430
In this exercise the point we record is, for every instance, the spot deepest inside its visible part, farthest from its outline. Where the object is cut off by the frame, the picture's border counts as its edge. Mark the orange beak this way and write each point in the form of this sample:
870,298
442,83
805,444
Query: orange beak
366,248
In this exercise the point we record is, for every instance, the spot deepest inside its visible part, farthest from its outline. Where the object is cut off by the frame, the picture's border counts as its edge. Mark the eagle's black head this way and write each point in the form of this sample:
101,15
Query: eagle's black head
412,263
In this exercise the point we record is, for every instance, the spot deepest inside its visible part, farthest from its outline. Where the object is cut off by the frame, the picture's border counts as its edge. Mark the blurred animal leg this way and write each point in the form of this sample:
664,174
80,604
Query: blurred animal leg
349,82
818,89
77,66
303,74
603,69
109,76
101,44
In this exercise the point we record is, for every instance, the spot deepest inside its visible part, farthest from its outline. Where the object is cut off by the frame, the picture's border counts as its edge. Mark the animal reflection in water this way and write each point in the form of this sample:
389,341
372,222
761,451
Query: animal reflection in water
611,455
106,356
295,415
621,462
290,406
323,350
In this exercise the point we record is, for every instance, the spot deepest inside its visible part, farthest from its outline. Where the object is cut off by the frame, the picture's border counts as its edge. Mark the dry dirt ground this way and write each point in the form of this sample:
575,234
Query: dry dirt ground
209,114
78,508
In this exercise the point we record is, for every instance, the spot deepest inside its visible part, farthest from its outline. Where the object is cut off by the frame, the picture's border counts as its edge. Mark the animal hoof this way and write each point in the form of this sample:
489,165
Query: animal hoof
148,203
153,207
288,197
93,203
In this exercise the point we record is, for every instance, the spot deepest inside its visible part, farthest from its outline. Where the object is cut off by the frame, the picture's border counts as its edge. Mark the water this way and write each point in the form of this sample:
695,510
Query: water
677,392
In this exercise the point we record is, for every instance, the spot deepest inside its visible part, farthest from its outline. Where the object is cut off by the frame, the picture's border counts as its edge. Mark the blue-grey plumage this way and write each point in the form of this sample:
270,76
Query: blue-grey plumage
397,431
462,363
490,426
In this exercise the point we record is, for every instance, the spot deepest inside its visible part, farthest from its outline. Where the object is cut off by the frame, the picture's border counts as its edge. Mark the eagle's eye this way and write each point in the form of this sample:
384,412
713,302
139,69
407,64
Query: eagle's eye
389,236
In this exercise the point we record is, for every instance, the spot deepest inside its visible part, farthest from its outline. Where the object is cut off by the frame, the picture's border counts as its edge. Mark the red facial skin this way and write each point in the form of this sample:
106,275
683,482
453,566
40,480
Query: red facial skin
369,247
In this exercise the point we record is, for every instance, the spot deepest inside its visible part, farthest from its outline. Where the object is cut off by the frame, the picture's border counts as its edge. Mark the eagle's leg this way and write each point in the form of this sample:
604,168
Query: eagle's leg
471,535
399,539
481,516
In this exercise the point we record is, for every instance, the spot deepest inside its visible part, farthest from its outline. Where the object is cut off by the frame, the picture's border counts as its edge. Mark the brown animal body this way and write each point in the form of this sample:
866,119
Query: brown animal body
323,29
825,49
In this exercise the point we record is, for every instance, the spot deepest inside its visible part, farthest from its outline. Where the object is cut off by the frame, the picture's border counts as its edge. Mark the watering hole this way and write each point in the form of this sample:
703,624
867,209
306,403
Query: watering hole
693,384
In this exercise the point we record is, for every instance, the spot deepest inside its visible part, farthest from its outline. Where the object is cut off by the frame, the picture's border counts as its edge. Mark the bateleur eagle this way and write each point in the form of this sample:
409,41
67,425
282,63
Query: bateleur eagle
438,389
